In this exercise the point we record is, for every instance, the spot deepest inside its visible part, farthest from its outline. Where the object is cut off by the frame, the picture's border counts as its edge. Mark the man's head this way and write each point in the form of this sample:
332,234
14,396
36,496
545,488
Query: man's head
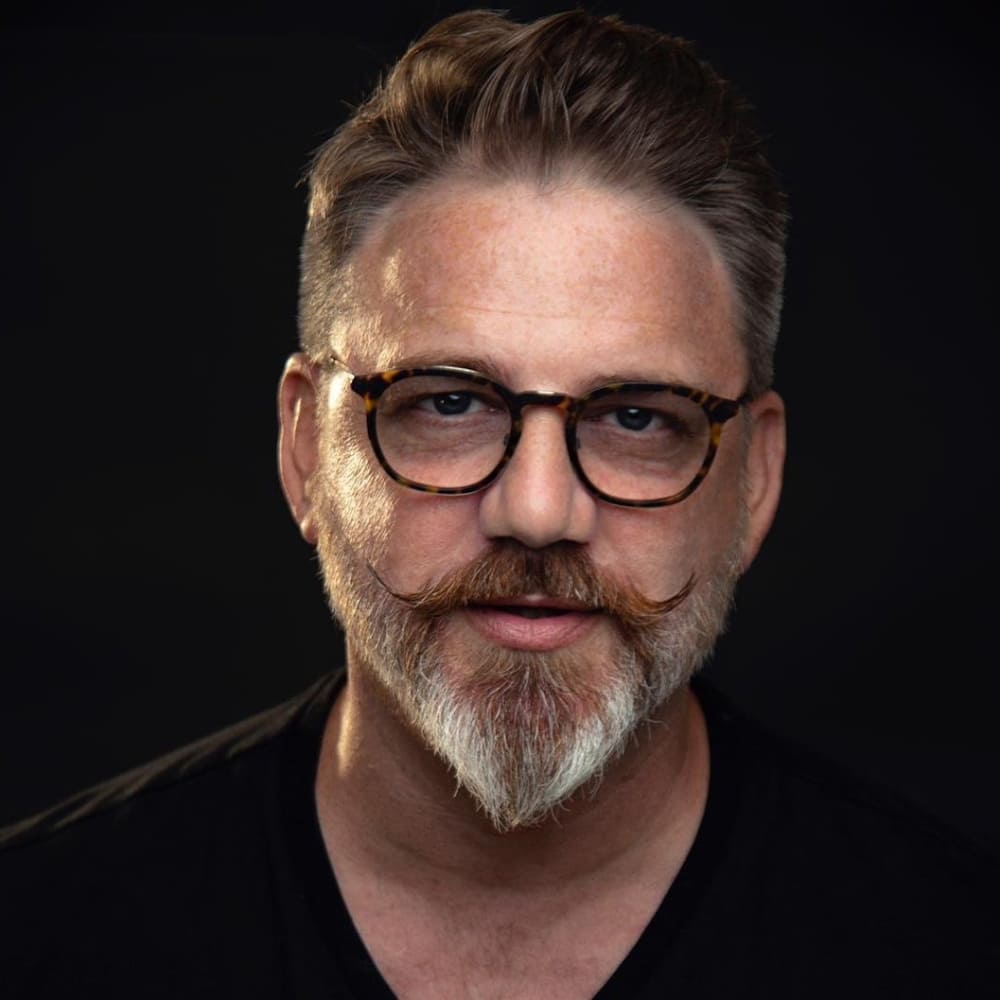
578,212
568,96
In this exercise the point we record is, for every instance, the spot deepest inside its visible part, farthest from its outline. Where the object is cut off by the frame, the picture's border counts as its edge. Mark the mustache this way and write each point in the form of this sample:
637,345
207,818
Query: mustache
563,571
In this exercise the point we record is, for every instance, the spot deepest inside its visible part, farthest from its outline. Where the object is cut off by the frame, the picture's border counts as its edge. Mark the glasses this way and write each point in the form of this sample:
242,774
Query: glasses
452,430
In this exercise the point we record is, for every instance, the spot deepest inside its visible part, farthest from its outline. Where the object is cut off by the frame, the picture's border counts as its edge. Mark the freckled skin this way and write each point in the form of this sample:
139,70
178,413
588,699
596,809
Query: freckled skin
556,289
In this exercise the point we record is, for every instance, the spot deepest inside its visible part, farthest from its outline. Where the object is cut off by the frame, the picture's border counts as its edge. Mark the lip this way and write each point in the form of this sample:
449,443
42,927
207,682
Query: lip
506,628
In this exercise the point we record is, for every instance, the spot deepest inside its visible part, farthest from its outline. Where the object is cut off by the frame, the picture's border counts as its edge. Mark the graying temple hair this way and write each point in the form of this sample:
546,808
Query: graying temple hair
620,105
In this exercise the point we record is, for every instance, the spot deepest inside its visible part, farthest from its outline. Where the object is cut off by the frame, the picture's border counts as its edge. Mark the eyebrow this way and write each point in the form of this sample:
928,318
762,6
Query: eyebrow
604,378
494,369
484,364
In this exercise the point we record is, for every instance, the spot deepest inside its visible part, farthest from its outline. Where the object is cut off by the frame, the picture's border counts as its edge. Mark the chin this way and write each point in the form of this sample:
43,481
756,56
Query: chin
523,731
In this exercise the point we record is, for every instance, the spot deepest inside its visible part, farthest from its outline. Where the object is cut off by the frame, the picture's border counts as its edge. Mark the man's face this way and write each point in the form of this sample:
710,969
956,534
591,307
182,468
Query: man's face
524,692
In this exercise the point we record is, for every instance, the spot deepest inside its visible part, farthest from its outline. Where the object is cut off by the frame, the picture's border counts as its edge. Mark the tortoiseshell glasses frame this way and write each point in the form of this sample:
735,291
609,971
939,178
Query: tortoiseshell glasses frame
371,388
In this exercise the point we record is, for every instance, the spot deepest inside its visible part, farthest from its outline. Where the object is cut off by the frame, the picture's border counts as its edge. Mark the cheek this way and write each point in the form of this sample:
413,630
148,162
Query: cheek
429,536
409,537
717,520
359,504
655,550
659,550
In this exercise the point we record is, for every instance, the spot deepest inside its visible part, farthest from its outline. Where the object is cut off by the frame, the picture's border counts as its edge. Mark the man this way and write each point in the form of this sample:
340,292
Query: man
532,436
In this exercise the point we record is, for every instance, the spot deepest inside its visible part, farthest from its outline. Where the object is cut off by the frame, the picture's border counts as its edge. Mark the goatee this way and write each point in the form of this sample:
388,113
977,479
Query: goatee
524,731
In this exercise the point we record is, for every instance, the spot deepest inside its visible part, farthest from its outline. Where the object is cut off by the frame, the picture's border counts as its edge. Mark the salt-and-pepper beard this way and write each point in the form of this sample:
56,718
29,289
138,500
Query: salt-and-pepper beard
522,730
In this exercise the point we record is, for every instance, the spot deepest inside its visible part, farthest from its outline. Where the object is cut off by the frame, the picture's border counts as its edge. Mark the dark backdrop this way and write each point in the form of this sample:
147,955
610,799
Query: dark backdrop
154,586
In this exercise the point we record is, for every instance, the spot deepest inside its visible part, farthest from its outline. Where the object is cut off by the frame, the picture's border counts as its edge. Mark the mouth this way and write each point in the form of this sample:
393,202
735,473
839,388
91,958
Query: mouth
532,622
525,611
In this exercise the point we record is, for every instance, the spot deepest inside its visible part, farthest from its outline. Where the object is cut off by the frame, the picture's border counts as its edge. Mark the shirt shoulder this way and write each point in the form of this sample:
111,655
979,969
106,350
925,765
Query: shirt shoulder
170,866
830,883
801,794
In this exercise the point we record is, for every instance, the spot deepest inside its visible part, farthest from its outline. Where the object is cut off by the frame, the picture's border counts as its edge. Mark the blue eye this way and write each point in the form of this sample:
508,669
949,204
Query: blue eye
632,418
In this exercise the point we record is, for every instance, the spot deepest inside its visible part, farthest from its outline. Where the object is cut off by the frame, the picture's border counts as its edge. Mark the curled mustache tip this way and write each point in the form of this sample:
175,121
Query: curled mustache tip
405,598
419,600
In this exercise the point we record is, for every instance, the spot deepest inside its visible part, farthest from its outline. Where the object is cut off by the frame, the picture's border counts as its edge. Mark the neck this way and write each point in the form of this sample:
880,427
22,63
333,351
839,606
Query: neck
388,805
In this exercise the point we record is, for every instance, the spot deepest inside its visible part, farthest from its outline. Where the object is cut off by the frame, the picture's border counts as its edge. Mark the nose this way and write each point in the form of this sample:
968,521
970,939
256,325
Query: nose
538,499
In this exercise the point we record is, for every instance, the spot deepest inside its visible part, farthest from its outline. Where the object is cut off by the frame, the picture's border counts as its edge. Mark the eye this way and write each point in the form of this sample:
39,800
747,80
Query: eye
439,401
634,418
449,404
653,415
631,418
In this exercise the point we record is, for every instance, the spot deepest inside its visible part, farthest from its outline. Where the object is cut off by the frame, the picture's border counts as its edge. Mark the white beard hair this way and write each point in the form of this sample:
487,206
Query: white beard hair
520,775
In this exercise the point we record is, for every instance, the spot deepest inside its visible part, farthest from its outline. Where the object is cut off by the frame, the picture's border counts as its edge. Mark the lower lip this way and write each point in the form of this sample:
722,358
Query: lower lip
516,632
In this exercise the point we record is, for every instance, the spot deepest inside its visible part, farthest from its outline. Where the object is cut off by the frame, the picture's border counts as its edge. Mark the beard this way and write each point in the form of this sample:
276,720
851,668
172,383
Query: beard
524,731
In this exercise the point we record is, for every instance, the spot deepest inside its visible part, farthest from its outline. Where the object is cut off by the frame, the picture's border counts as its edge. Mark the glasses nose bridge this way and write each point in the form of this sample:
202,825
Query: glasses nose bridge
541,397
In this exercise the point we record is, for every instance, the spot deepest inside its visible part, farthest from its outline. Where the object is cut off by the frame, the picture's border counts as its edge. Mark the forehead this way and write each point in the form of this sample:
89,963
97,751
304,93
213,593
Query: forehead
566,283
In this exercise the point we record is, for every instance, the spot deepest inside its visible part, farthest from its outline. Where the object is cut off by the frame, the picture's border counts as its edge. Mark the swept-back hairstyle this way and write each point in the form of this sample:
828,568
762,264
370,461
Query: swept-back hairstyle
573,94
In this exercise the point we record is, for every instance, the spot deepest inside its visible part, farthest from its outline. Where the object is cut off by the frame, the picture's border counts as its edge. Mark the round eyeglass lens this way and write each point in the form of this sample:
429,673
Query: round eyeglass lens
642,444
442,431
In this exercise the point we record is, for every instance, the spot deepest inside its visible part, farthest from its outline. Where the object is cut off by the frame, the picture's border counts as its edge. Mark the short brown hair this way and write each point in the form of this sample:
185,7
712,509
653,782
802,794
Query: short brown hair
626,106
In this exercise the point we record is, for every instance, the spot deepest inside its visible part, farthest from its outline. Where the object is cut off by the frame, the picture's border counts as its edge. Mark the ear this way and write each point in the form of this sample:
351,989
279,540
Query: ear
298,440
764,468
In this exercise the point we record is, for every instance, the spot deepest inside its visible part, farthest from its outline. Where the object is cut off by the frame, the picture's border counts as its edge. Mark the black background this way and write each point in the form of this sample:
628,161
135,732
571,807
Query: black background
154,585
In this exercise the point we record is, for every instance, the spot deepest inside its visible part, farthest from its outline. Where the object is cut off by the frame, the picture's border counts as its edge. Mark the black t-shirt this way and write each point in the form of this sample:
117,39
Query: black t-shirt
204,875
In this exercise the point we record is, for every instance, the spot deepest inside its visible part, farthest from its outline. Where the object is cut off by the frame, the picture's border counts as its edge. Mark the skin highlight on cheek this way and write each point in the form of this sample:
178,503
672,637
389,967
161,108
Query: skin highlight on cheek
365,510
